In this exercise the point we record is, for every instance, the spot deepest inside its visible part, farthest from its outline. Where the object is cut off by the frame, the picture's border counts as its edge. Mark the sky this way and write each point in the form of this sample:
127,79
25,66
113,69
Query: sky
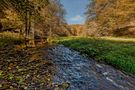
75,10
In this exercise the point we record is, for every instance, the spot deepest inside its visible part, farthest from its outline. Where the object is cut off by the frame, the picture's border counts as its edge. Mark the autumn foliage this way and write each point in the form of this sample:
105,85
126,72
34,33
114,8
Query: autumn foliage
111,17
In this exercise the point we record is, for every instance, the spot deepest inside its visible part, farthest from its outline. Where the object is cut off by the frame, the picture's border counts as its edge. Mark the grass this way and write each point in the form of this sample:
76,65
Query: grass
8,38
118,52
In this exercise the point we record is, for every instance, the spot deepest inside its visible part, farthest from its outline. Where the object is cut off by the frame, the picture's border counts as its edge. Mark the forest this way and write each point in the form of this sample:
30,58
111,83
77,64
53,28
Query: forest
111,17
41,50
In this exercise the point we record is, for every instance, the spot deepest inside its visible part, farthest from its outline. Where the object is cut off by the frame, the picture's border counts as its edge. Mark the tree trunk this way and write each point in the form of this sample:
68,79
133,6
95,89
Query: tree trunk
50,36
1,26
26,27
29,30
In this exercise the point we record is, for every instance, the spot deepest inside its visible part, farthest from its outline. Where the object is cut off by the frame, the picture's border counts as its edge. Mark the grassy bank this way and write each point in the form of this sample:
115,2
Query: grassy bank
8,38
117,52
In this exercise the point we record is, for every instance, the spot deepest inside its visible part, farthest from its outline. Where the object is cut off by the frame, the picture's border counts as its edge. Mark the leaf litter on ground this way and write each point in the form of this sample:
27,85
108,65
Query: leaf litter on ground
24,69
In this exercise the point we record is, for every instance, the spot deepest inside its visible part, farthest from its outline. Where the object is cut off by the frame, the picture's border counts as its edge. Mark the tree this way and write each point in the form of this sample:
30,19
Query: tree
110,14
27,11
48,15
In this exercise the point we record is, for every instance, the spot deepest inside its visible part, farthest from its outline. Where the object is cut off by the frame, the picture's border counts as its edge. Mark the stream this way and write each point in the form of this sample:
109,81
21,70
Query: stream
77,72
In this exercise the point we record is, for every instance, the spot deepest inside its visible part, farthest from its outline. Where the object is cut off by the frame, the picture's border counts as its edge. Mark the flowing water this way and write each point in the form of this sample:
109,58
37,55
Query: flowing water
77,72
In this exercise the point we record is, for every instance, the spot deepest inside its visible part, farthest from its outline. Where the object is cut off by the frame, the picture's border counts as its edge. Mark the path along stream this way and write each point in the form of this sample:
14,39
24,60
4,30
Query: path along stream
81,73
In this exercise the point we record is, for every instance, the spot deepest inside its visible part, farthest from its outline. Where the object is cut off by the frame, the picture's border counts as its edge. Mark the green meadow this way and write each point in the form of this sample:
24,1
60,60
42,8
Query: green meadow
118,52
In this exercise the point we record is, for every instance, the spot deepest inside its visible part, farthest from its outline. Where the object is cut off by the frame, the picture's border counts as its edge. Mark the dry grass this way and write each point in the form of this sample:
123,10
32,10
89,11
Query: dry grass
119,39
8,38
